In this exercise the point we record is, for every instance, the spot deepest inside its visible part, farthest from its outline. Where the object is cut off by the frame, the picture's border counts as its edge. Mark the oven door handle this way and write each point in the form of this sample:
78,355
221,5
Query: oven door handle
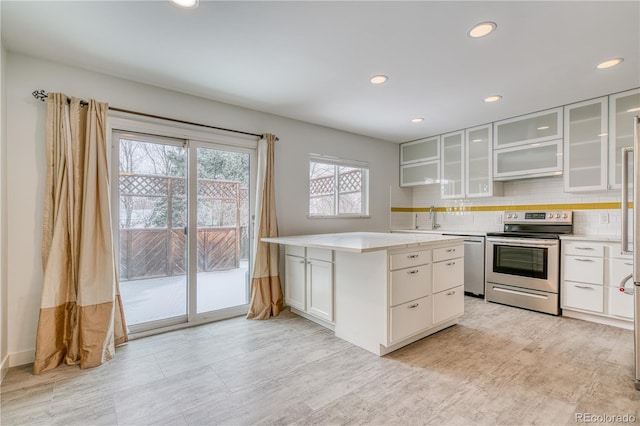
522,242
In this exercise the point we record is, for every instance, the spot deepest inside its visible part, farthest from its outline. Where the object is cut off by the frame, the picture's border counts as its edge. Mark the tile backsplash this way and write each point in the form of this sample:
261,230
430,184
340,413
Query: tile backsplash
542,191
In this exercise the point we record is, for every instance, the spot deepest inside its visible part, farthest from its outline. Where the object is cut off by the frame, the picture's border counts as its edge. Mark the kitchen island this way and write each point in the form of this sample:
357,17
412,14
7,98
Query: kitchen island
380,291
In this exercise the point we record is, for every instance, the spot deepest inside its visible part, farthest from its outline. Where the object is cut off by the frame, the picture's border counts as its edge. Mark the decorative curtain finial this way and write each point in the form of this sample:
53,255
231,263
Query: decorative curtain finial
40,95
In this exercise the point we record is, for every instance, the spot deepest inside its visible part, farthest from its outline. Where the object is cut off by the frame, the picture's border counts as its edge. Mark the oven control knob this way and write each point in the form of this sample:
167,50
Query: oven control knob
515,215
565,215
558,215
508,215
550,215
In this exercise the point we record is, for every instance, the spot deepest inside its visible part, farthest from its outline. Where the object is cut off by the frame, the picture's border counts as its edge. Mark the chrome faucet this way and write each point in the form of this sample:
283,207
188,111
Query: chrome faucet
432,217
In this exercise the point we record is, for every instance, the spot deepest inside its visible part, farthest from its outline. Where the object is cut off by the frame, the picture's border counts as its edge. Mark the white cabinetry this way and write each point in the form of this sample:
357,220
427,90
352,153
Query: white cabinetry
309,282
448,283
528,146
583,266
452,181
592,271
479,163
420,162
423,292
585,146
622,108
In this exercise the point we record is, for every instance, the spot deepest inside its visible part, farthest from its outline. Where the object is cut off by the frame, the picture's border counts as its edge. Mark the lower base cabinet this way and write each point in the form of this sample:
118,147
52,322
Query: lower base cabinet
309,281
596,284
448,304
410,318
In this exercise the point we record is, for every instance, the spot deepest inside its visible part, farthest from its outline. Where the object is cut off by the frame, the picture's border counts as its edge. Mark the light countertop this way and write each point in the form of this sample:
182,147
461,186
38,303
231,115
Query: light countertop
440,232
362,242
600,238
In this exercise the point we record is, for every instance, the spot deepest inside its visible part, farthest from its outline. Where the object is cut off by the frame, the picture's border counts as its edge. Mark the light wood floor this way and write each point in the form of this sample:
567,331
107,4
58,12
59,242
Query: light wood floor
500,365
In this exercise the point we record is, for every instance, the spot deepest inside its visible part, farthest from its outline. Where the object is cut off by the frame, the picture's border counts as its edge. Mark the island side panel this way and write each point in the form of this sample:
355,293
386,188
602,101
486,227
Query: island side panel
361,298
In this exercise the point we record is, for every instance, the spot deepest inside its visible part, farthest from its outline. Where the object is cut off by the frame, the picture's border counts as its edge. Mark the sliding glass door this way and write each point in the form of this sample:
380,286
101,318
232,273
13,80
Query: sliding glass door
183,229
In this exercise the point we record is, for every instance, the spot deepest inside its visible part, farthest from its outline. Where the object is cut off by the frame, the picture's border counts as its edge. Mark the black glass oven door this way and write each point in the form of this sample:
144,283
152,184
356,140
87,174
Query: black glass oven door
521,260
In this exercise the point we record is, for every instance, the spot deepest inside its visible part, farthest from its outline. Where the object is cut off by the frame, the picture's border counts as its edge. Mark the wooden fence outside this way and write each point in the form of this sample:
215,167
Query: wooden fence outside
160,252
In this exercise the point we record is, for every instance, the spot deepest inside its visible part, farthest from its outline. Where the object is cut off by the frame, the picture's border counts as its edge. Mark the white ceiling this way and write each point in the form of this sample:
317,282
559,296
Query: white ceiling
311,61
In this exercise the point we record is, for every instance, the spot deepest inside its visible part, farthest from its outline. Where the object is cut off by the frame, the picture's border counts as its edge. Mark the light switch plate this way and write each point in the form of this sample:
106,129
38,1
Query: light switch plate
604,218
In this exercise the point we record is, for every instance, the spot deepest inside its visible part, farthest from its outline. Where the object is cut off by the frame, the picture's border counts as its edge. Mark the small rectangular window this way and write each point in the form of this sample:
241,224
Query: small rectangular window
337,187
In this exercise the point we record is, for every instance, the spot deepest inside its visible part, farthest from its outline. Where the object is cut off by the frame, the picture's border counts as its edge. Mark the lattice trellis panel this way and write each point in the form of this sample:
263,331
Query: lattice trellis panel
349,182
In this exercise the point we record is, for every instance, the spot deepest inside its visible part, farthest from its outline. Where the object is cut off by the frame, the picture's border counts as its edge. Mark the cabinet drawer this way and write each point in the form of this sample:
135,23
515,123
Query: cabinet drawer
448,274
320,254
409,284
620,269
584,269
409,318
448,253
295,251
448,304
582,249
621,303
583,296
407,260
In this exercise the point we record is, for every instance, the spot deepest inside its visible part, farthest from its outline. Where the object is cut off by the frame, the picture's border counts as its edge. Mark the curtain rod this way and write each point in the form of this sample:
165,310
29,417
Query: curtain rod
41,95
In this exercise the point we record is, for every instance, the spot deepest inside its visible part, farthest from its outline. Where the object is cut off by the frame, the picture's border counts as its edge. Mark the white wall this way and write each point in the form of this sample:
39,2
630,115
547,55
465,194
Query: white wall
4,330
26,162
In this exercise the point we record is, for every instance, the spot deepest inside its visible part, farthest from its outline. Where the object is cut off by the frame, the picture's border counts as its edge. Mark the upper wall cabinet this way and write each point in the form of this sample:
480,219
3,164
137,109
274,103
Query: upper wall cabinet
532,128
622,108
585,146
479,163
452,181
420,162
418,151
423,173
528,146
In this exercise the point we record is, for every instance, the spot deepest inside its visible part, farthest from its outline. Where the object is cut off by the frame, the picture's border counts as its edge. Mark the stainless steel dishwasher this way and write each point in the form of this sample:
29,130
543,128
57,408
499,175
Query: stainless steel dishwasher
474,252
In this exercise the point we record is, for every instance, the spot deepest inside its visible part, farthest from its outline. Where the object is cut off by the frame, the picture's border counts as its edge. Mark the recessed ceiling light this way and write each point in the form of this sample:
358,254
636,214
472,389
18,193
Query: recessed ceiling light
482,29
378,79
417,120
493,98
609,63
185,3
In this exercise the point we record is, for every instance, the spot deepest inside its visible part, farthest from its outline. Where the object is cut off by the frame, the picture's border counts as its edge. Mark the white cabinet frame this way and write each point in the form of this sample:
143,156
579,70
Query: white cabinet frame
524,118
533,172
434,141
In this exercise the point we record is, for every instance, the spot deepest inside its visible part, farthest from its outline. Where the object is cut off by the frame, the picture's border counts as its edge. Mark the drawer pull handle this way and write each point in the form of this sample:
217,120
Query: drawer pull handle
450,250
628,264
585,248
584,287
451,263
413,256
415,305
415,271
584,260
451,293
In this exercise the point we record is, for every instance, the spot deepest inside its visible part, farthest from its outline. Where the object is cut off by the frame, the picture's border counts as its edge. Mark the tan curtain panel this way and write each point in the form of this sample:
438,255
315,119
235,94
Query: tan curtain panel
81,314
266,291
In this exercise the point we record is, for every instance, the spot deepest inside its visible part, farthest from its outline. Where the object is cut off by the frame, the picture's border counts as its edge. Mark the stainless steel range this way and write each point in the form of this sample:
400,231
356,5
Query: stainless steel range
523,262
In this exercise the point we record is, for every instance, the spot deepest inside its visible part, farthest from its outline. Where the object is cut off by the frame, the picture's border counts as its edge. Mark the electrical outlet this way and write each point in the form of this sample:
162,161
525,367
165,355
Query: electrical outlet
498,219
604,218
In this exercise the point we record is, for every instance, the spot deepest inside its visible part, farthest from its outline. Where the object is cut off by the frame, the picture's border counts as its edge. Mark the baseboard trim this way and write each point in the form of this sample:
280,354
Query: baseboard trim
627,325
22,358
